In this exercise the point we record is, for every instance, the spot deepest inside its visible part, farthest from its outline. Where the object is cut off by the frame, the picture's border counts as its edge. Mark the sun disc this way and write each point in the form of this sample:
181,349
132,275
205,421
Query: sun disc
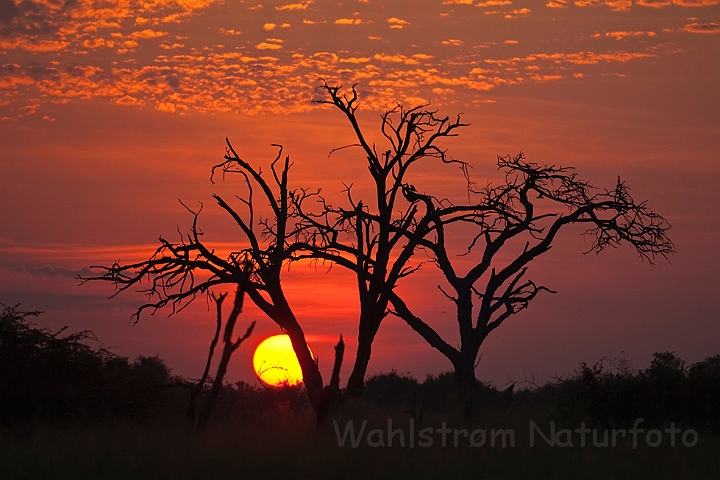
275,362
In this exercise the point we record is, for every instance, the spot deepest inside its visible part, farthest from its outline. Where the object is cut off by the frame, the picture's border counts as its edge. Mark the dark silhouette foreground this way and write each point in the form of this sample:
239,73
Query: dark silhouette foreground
378,239
60,378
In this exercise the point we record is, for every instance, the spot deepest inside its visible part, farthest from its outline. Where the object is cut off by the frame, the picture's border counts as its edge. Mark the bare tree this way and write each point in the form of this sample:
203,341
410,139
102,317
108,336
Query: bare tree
229,347
377,239
374,239
178,271
531,207
197,389
381,237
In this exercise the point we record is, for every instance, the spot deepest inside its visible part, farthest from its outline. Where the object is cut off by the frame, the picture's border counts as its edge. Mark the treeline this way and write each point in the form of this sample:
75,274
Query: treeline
46,375
611,392
667,391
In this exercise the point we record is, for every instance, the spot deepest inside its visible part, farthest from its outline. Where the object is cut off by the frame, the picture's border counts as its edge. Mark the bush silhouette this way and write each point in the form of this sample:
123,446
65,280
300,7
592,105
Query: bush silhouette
46,374
58,376
667,391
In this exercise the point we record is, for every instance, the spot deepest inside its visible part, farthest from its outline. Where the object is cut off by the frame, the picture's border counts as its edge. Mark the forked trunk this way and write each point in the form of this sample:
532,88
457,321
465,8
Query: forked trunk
229,347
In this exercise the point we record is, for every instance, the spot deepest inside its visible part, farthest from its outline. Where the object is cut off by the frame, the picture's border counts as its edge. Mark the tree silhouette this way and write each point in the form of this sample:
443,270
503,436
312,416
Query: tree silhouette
178,271
55,374
530,208
378,238
229,347
383,232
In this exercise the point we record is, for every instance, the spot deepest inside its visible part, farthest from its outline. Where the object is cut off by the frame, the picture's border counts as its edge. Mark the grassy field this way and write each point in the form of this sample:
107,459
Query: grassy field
68,411
279,442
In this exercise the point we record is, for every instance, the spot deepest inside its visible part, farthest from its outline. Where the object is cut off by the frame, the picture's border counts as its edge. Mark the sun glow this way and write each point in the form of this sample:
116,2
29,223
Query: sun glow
275,362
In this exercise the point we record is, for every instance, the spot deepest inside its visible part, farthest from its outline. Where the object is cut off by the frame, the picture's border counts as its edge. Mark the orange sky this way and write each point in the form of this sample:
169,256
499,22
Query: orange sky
111,111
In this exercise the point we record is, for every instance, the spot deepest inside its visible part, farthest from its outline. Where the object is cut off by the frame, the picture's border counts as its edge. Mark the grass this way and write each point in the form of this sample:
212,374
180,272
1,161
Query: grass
282,443
70,412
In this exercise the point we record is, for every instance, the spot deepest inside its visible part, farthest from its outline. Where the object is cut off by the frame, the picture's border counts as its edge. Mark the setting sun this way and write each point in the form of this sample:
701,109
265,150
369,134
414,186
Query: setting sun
275,362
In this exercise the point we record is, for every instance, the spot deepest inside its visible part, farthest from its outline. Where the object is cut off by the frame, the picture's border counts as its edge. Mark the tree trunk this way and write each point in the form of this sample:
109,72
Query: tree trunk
356,381
209,405
465,373
280,312
467,385
200,385
366,335
228,349
332,396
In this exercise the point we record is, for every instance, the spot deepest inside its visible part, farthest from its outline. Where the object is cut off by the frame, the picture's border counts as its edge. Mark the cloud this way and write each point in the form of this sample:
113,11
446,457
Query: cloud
679,3
39,72
127,100
580,58
166,107
391,58
295,6
9,68
355,60
702,27
268,46
347,21
55,25
48,271
615,5
521,12
32,17
695,3
397,22
545,78
235,81
148,33
654,3
33,45
621,34
494,3
153,67
623,5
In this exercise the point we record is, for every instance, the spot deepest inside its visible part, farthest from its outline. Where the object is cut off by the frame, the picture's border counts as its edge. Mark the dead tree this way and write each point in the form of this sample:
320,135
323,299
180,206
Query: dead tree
229,347
531,207
179,271
332,395
197,389
374,237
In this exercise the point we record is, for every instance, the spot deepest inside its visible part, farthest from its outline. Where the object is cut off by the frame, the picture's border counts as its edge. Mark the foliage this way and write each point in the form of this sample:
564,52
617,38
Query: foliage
46,374
666,391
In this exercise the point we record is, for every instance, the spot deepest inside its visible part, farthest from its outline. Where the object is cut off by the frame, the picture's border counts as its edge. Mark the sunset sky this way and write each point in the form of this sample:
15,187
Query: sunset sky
111,111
